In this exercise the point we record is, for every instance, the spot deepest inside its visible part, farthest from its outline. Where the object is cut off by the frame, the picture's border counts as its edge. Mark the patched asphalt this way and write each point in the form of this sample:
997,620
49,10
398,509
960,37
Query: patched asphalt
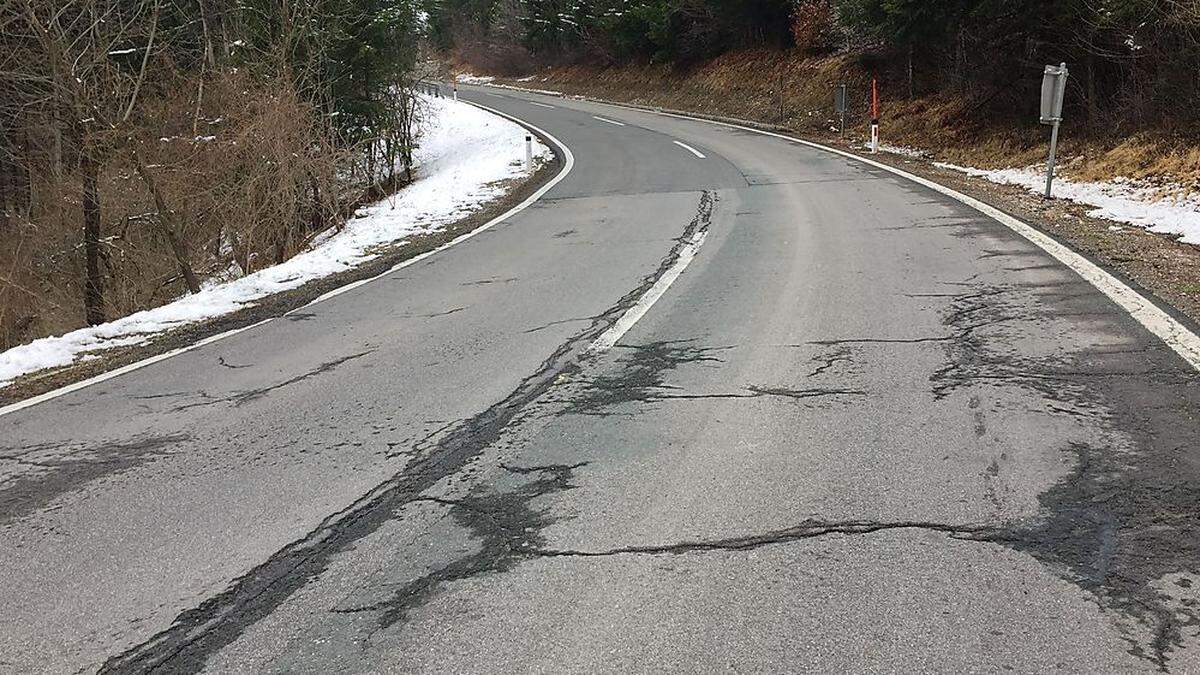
866,430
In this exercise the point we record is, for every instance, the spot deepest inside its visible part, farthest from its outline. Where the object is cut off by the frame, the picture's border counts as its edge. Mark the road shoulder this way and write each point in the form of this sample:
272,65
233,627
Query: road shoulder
47,381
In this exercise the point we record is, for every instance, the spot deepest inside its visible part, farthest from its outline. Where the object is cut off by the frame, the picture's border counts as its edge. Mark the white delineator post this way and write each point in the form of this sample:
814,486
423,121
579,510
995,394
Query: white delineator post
456,91
528,152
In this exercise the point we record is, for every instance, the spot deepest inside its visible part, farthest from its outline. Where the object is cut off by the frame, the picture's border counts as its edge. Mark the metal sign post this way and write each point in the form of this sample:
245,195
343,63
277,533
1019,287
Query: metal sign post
1054,88
874,116
839,106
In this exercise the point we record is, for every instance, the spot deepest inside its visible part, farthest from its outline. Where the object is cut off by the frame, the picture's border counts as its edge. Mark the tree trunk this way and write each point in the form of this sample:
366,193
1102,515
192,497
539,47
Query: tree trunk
166,222
911,89
137,86
1093,104
7,192
56,129
209,53
93,283
199,104
317,223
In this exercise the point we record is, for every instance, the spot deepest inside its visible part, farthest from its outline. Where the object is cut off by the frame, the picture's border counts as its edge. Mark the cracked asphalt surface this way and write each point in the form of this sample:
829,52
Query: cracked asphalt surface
866,430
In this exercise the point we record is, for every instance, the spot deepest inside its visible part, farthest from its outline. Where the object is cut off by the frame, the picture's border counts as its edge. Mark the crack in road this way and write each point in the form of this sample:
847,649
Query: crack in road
828,361
1124,516
199,632
560,322
809,529
1099,530
73,467
243,397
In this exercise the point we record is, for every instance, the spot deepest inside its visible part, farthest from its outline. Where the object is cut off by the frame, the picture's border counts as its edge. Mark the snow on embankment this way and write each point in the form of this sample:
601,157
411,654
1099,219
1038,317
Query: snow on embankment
1170,210
464,153
467,78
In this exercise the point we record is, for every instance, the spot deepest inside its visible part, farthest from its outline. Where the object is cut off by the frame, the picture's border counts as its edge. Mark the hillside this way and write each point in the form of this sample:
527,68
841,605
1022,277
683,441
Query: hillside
784,88
1150,179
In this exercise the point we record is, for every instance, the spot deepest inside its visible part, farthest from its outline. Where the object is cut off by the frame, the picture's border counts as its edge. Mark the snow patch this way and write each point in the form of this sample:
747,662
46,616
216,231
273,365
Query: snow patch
1169,209
464,156
467,78
903,151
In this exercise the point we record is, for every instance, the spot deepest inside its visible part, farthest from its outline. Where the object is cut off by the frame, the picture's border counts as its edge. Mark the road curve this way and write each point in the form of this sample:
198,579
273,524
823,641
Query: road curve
715,402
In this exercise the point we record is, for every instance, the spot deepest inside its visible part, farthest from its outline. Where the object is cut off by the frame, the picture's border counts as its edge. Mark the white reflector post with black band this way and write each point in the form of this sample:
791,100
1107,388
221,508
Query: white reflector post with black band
1054,89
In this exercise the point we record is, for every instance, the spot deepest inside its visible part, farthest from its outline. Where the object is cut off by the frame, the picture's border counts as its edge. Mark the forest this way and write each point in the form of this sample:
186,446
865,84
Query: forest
150,146
147,146
1135,63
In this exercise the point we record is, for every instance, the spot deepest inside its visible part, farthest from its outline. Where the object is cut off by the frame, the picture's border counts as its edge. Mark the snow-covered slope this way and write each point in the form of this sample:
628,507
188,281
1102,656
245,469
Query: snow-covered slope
463,155
1164,210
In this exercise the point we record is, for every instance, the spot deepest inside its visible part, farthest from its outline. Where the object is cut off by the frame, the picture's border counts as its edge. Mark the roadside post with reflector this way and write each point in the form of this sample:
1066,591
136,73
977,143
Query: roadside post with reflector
839,106
1054,88
874,115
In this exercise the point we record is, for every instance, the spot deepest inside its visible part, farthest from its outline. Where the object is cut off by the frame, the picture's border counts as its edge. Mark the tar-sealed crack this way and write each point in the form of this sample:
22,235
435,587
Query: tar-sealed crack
827,362
249,396
1123,518
59,470
1127,514
505,525
809,529
199,632
641,377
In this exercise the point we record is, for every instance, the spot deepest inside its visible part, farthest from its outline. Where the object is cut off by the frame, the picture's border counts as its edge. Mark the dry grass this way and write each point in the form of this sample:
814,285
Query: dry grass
238,175
952,127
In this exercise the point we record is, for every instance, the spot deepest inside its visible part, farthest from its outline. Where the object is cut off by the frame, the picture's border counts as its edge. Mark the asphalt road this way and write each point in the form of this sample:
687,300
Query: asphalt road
865,429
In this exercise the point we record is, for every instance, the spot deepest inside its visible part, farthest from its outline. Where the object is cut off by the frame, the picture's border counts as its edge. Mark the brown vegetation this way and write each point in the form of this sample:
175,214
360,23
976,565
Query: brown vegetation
785,88
146,146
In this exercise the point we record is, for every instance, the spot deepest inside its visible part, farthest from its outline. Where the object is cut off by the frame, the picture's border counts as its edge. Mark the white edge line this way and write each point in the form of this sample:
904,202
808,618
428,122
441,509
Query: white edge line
1170,330
605,119
568,164
689,148
632,315
1166,327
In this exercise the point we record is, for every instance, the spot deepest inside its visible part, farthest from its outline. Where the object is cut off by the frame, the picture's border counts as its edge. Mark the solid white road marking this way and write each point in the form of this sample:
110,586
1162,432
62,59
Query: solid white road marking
605,119
631,316
1166,327
1153,318
690,149
568,164
539,104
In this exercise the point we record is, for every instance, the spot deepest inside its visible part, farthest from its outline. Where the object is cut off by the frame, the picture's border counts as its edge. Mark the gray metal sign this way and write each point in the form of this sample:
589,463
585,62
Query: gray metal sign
1054,88
840,104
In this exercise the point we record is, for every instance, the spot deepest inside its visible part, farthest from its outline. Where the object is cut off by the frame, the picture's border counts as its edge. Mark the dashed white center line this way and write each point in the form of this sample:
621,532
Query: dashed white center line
543,105
690,149
605,119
